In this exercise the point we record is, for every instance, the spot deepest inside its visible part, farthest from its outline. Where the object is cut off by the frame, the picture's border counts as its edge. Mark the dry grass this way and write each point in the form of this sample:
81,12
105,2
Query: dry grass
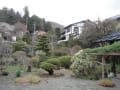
28,79
106,83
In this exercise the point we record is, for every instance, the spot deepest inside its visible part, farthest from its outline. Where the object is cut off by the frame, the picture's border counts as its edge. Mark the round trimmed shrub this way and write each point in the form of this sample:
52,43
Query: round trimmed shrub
48,67
65,61
54,61
85,66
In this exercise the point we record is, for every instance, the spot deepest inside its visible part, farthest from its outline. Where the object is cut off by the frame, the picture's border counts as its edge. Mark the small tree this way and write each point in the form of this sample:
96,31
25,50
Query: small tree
27,38
20,57
92,31
41,56
43,44
5,54
19,46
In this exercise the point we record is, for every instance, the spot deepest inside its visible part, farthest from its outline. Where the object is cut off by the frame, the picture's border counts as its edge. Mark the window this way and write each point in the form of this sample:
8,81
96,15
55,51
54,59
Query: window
76,30
68,30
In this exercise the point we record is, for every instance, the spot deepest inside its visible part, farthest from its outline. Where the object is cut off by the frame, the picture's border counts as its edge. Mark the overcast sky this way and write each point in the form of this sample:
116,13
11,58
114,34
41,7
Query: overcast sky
67,11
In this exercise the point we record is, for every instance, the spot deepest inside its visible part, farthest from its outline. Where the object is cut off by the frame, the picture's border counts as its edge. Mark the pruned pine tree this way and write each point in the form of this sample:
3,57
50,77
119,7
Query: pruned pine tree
43,44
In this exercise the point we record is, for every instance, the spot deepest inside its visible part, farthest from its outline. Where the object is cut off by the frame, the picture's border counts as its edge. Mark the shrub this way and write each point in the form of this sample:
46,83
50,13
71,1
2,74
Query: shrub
115,47
18,74
35,61
85,67
106,83
65,61
4,73
48,67
28,79
19,46
54,61
62,51
42,55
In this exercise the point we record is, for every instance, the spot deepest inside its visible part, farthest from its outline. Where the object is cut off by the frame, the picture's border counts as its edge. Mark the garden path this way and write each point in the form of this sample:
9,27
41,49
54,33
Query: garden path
65,82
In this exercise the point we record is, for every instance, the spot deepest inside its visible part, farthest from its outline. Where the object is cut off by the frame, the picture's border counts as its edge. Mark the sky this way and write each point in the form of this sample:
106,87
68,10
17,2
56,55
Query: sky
66,12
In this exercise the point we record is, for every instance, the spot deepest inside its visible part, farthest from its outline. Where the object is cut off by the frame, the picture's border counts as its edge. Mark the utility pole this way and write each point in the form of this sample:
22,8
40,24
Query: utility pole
33,37
34,27
27,23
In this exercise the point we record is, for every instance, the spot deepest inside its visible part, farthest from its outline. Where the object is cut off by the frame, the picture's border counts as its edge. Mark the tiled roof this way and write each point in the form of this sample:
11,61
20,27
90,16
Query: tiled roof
111,37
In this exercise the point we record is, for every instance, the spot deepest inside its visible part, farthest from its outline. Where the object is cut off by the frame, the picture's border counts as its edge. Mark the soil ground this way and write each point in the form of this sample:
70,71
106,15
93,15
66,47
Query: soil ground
63,82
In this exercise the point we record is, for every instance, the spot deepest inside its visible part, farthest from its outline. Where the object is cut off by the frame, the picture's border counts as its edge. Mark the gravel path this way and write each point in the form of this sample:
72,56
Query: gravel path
65,82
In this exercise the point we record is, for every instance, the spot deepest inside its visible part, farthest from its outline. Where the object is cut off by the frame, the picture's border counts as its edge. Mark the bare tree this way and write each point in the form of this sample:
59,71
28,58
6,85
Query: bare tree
20,57
5,55
92,31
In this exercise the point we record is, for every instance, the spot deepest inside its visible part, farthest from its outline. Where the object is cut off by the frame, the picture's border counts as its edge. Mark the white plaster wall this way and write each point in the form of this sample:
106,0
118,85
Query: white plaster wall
13,38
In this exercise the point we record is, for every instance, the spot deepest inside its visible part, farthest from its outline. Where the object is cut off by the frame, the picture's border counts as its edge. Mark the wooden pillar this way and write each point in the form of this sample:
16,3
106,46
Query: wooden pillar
103,62
113,65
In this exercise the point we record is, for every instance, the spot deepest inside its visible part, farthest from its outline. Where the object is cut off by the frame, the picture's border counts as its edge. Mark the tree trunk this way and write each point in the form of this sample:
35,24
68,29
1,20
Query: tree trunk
51,72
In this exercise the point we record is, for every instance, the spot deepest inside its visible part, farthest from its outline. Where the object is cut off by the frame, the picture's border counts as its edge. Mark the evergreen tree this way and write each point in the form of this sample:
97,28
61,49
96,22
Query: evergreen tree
43,44
18,16
57,32
26,14
11,17
27,38
4,14
26,18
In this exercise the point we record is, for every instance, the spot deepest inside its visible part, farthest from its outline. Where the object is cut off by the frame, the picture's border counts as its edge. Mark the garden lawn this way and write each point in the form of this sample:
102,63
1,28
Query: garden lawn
24,68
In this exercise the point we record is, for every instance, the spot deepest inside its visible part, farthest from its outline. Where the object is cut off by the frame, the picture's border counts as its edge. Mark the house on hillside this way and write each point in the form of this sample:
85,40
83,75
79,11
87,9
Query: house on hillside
12,32
72,29
6,31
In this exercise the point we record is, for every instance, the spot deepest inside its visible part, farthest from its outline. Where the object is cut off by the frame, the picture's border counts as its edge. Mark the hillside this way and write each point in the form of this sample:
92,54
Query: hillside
56,25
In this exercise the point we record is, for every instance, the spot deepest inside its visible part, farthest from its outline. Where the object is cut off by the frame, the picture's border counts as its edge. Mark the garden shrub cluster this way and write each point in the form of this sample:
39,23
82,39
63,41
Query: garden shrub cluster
56,63
65,61
84,66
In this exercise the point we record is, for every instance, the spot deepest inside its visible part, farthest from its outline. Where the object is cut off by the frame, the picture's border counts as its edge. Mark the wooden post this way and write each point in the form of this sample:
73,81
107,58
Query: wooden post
103,60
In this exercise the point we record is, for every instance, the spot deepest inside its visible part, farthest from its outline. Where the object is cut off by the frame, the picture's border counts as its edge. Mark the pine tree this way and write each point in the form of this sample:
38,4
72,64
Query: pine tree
43,44
27,38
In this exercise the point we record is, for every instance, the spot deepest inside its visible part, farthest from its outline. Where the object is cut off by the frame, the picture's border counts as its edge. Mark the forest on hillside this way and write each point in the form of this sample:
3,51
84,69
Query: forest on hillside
10,16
